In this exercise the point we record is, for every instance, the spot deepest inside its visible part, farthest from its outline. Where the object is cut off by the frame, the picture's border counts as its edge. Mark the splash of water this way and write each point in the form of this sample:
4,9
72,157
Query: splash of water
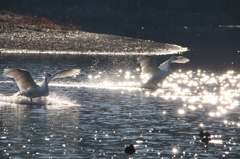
53,101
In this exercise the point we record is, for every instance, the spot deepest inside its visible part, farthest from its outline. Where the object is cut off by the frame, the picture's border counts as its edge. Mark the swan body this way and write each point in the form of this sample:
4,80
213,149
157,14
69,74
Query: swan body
157,73
27,85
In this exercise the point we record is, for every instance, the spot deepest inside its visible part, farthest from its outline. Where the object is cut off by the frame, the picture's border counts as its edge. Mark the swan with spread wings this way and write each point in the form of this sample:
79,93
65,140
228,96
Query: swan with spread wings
27,85
156,74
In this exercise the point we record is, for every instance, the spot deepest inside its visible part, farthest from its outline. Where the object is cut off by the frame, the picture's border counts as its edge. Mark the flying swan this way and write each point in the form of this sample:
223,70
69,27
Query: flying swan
156,74
27,85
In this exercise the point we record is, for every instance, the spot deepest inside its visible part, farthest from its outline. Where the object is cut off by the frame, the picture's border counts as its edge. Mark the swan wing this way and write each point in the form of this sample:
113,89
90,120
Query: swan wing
180,59
165,66
64,73
148,65
22,77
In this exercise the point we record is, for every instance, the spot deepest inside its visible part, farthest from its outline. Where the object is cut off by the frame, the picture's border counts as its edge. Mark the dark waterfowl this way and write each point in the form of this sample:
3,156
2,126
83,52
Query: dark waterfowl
206,140
130,149
204,134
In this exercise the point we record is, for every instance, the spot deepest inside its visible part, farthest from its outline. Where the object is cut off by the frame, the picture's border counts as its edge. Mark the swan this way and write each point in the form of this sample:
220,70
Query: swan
156,74
27,85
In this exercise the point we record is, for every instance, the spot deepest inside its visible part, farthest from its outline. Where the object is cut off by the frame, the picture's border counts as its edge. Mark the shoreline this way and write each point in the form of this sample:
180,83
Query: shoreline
79,42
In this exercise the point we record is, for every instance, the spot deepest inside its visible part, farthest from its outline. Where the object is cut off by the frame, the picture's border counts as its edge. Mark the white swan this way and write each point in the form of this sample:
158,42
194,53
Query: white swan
157,73
27,85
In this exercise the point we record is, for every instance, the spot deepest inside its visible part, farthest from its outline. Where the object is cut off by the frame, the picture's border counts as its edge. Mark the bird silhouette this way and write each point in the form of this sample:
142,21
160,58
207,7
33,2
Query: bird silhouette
27,85
204,134
130,149
157,74
206,140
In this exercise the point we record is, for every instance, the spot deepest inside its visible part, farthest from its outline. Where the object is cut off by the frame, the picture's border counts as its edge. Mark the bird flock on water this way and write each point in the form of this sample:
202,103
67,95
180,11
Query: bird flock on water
155,75
28,87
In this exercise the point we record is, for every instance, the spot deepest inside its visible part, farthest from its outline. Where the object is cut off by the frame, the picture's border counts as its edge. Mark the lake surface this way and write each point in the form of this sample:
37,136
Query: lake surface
103,110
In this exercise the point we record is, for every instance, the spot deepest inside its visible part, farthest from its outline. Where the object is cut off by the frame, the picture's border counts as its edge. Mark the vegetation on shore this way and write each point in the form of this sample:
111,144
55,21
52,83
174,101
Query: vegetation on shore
151,12
9,21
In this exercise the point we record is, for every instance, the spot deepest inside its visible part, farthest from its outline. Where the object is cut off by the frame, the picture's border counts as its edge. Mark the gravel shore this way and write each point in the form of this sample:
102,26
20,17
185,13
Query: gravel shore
20,40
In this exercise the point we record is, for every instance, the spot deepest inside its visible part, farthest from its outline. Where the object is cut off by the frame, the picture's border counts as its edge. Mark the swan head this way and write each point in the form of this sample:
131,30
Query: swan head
48,75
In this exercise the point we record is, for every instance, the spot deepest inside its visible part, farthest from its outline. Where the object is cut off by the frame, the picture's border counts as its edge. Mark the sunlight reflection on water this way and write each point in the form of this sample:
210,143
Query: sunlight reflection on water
202,89
53,101
57,52
109,108
196,89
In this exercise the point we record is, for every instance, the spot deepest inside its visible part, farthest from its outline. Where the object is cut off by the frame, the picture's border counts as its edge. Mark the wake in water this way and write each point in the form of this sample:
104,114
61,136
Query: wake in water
196,89
52,100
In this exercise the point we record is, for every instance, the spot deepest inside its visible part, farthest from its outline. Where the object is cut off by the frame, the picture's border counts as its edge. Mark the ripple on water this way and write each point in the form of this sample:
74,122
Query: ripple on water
102,121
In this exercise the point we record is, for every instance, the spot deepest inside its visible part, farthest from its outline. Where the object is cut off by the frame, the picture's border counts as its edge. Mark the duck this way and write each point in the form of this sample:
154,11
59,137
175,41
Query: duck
130,149
156,74
203,134
27,85
206,140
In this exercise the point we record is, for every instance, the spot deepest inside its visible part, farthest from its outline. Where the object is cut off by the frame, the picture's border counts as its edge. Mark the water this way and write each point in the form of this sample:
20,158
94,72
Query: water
103,110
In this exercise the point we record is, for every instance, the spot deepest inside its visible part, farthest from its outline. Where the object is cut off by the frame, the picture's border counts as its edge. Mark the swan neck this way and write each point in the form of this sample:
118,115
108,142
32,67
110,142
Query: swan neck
45,84
168,64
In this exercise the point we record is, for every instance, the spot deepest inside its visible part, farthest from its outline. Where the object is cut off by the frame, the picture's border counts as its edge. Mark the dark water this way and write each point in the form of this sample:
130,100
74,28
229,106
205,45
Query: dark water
103,110
208,47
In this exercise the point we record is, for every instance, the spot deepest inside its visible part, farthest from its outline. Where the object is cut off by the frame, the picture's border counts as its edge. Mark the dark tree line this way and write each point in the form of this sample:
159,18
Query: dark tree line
154,12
